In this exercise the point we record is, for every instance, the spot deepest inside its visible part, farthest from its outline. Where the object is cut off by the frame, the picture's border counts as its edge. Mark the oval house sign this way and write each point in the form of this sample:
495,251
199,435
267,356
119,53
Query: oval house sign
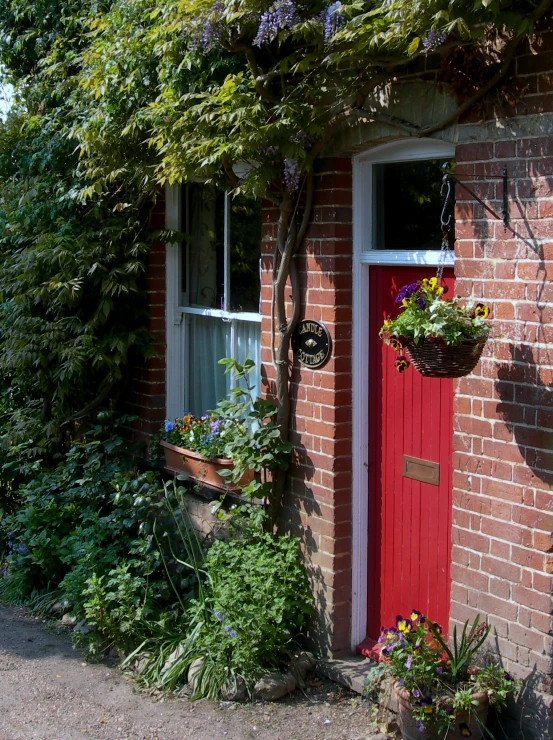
311,343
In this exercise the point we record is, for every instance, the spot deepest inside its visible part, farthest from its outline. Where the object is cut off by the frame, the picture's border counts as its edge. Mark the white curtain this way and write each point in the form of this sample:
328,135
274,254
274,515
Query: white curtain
210,339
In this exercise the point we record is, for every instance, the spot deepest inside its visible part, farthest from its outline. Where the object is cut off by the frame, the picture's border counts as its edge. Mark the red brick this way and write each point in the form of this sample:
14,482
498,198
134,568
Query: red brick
532,599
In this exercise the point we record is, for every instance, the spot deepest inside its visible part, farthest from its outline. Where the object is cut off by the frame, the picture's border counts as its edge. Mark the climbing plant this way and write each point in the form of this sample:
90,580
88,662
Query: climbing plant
248,94
72,313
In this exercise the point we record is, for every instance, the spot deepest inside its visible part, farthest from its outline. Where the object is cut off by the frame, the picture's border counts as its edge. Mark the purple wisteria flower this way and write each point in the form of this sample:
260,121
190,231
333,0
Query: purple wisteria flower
332,20
211,29
281,15
169,426
291,174
433,41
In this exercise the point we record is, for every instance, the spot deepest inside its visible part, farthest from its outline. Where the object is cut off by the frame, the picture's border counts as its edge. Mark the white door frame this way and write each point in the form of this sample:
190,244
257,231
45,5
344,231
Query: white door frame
366,254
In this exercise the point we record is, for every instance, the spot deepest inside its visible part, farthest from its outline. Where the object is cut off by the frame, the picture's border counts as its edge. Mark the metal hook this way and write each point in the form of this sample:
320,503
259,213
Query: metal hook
446,183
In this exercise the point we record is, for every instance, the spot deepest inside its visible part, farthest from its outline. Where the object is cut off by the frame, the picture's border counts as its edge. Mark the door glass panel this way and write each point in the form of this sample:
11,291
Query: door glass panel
408,205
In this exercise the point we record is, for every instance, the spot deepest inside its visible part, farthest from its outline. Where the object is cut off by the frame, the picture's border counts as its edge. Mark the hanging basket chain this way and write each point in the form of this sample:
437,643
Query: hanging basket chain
445,220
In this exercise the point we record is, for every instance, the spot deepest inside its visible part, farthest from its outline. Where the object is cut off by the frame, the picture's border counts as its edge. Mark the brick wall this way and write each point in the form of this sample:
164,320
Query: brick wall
146,394
318,503
503,439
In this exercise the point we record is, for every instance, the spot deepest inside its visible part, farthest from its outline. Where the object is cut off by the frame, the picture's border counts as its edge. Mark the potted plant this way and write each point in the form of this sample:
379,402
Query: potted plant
442,337
441,692
233,447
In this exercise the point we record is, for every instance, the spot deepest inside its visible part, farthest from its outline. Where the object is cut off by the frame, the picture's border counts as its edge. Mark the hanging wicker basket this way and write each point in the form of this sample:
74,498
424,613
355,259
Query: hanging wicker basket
435,360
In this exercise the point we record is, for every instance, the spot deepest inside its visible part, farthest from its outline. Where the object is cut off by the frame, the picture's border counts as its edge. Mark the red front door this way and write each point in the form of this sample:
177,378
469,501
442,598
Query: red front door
409,521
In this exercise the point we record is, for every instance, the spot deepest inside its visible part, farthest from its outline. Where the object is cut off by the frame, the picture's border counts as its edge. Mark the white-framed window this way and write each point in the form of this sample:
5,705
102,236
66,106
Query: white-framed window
213,293
398,203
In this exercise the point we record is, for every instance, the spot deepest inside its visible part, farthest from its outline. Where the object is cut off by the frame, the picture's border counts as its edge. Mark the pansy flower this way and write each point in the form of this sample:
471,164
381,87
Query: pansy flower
465,730
396,344
481,311
437,628
421,303
404,625
406,292
429,284
401,364
426,705
416,617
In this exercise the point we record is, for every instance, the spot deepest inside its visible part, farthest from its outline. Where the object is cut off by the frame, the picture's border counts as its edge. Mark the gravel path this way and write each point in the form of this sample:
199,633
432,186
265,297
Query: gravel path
48,692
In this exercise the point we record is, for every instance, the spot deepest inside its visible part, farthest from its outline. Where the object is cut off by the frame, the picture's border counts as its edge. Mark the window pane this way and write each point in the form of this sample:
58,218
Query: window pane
407,205
208,342
245,253
210,339
203,278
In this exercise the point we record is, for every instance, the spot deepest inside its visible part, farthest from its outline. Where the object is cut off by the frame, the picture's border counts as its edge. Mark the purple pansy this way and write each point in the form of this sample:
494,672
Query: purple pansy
169,426
406,292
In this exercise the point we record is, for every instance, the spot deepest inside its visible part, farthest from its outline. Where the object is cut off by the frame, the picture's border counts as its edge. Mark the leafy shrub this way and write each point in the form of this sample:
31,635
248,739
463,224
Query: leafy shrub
85,529
253,605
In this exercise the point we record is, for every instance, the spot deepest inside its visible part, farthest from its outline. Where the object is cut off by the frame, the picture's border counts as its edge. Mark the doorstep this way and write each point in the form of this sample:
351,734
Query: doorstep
350,672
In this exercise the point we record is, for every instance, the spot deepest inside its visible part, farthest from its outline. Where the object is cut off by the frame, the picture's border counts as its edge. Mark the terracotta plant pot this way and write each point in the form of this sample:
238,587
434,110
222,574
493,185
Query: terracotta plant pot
199,468
475,721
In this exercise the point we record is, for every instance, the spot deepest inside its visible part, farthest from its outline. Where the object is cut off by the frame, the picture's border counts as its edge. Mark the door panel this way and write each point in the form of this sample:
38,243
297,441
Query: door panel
409,521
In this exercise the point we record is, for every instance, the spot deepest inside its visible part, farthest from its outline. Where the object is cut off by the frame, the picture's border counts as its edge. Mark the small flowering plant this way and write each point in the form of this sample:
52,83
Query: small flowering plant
427,316
241,428
441,680
208,435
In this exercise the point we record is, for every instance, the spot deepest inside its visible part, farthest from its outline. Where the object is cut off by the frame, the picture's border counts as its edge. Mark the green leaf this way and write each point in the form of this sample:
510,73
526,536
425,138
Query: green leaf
413,46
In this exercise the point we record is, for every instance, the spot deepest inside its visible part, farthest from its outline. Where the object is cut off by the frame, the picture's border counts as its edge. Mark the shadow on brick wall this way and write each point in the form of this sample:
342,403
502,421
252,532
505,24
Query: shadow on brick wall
528,715
527,409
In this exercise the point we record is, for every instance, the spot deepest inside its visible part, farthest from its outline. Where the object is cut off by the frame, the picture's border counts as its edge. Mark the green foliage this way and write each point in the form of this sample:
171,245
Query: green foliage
85,529
252,605
196,83
258,445
72,310
463,649
426,315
